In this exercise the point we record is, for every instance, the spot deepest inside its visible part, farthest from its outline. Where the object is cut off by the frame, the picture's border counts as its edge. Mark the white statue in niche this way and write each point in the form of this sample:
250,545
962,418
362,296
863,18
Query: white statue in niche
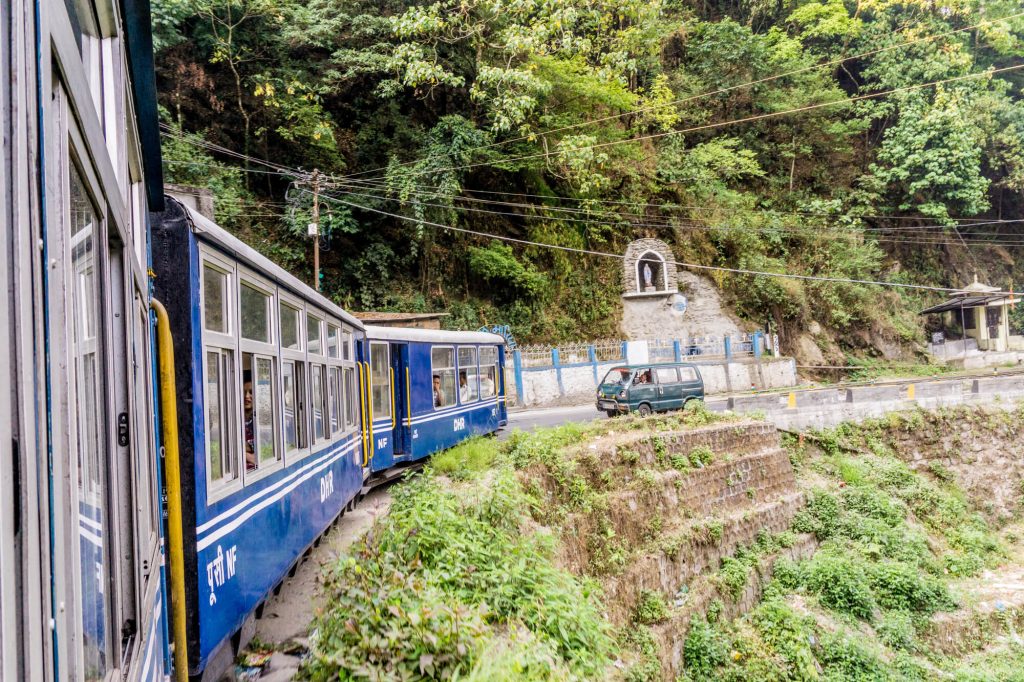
648,284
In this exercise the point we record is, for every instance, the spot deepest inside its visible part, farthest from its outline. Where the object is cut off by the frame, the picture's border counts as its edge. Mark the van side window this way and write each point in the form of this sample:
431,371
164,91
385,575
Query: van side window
666,375
688,374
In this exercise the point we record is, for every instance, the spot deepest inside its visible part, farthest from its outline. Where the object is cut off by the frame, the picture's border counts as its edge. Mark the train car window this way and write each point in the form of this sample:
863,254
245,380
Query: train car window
290,337
380,380
442,373
259,391
215,300
469,390
293,387
332,342
317,377
220,370
255,314
221,400
349,378
346,345
488,371
315,332
334,385
88,449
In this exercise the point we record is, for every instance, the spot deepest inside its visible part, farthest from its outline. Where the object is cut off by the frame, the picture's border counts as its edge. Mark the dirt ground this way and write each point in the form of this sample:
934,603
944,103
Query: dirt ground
287,616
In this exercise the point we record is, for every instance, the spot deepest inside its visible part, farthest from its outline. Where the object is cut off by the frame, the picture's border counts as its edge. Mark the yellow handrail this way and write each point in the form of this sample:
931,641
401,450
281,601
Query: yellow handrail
408,397
369,398
362,413
172,464
391,373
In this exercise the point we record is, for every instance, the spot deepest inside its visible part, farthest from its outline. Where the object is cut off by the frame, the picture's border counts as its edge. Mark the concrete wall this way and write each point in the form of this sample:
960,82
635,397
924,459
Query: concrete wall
577,385
829,407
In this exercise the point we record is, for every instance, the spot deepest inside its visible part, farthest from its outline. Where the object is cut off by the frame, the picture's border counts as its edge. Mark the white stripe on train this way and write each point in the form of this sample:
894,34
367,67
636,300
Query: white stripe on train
269,489
227,528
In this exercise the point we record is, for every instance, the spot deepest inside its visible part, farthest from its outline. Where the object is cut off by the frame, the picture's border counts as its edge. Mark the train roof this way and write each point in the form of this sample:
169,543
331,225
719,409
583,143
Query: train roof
431,335
209,231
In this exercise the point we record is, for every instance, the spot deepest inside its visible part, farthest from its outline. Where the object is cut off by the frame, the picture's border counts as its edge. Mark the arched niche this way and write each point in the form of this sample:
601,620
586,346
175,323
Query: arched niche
655,263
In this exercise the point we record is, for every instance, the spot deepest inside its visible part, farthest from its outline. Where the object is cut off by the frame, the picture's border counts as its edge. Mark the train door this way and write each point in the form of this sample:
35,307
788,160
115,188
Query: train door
402,388
104,506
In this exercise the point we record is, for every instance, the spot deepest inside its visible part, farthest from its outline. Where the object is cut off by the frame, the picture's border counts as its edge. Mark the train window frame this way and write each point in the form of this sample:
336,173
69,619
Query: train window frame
317,366
474,397
454,373
496,388
222,341
335,383
349,382
386,381
260,350
303,420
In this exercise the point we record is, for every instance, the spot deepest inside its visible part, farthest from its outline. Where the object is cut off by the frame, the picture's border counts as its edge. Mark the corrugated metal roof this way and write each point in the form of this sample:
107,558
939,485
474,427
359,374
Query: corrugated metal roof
965,302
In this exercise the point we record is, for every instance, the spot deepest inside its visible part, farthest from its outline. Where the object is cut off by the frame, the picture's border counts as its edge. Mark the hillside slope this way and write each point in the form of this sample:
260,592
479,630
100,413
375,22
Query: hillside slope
866,141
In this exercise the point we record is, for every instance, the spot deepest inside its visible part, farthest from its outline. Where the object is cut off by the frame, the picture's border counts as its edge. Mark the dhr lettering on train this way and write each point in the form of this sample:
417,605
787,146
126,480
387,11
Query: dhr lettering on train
217,573
460,424
326,486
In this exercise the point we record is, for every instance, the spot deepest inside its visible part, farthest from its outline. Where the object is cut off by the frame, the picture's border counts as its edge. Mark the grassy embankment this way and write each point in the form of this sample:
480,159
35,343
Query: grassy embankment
461,580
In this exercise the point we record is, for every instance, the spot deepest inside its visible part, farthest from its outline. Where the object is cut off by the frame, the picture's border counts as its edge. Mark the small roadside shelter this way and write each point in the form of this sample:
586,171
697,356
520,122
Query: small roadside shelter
982,312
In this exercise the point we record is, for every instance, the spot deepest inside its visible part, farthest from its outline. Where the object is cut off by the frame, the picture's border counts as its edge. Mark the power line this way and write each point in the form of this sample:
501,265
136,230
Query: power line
748,119
382,184
716,268
712,93
852,236
639,219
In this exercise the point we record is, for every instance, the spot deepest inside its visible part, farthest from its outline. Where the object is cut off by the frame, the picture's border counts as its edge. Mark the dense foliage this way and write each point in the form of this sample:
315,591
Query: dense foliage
616,118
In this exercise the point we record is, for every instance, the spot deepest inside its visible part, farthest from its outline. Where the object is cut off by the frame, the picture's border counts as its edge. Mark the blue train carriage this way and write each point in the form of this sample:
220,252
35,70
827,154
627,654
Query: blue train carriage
430,389
269,420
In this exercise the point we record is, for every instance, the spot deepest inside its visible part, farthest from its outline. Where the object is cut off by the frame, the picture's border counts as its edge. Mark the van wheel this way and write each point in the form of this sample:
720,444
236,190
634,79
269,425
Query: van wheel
611,413
644,410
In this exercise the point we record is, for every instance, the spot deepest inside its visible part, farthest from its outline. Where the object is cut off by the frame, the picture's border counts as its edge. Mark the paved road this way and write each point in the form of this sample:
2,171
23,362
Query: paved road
533,418
527,420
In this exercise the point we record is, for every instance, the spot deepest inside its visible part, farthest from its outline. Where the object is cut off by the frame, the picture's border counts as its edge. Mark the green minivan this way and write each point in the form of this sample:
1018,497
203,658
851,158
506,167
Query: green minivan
649,388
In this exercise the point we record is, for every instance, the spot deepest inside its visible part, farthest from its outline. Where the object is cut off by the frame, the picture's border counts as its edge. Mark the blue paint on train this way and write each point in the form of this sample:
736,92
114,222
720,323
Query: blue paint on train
248,541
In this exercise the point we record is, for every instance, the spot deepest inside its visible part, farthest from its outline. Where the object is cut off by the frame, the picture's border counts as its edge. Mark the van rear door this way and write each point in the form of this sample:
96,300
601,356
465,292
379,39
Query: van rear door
691,385
670,391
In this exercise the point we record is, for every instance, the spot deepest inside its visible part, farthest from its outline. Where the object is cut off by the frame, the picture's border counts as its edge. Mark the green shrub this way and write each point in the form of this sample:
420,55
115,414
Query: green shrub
896,630
386,622
840,583
733,576
704,650
789,634
650,608
457,563
900,586
845,659
466,460
821,516
701,456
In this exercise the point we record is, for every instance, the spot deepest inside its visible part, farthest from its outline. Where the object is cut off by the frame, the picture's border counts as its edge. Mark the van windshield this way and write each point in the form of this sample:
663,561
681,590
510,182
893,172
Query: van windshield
618,376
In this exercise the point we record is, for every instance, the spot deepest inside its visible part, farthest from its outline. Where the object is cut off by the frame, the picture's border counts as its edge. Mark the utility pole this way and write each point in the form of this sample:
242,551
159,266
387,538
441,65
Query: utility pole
314,229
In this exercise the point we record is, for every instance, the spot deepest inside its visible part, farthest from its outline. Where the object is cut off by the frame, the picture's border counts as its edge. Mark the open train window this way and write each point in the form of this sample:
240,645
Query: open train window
488,371
259,375
468,375
442,374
